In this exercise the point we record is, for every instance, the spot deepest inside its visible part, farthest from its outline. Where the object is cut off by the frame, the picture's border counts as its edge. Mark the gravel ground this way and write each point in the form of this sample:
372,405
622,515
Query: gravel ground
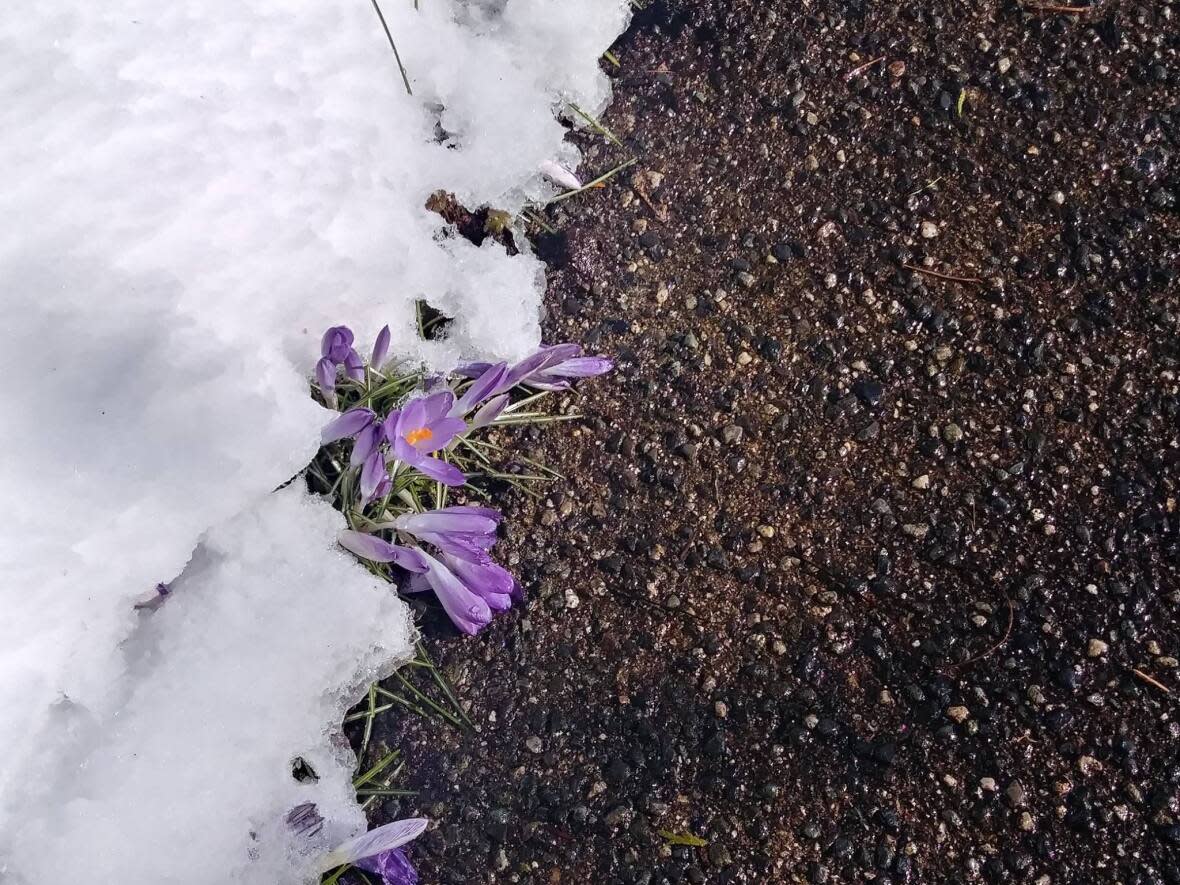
860,572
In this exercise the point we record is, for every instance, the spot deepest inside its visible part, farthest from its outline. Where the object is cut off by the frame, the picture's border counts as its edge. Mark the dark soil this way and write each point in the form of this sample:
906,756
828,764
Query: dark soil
860,573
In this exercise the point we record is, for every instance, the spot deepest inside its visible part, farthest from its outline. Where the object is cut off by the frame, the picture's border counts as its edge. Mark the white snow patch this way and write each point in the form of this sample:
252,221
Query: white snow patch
193,192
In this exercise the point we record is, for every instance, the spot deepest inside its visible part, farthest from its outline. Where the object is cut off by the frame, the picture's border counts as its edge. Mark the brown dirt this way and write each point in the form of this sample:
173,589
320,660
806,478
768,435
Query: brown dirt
859,573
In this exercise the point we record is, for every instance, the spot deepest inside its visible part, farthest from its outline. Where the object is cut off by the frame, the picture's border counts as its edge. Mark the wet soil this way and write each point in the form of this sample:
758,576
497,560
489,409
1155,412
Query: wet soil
866,566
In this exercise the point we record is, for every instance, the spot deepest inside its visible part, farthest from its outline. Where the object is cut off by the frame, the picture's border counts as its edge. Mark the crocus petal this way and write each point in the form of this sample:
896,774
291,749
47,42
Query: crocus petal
436,406
371,474
581,367
542,359
416,584
403,451
383,488
486,385
366,443
544,381
559,174
489,412
413,417
466,610
472,370
325,375
384,838
471,547
490,581
354,366
459,519
376,549
380,348
440,471
336,343
389,426
393,867
349,423
442,432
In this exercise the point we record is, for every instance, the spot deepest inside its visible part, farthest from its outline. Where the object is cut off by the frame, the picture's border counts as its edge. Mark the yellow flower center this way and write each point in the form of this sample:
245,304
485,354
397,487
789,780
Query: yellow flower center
416,436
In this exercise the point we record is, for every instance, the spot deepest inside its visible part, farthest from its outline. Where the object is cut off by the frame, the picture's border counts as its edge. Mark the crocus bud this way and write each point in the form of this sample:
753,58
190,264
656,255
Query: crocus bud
325,376
380,349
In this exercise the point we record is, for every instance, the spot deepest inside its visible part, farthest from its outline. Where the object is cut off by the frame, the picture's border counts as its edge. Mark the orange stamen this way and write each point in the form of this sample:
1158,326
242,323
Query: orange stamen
416,436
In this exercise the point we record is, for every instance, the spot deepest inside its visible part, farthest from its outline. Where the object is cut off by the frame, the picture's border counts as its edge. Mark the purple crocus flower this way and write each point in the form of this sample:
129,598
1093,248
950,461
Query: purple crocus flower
422,427
550,368
392,866
336,350
336,344
374,474
375,549
380,349
349,423
464,576
381,852
466,608
325,376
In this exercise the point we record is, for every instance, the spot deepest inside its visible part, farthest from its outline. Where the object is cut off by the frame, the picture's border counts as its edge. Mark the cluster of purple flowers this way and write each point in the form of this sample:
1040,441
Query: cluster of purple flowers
445,550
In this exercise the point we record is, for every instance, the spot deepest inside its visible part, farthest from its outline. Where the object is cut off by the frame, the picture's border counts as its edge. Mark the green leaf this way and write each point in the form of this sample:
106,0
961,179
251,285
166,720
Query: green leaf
683,839
959,103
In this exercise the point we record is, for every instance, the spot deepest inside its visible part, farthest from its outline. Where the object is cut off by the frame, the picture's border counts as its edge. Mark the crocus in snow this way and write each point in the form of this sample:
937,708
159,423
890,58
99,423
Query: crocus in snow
381,852
422,427
380,349
336,350
336,344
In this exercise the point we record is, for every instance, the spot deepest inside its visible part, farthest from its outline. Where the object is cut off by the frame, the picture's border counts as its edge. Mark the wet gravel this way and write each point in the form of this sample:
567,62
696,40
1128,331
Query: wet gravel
860,573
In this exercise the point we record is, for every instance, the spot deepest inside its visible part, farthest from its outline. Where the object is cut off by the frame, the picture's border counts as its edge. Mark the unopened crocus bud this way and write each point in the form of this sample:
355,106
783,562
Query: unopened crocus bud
349,423
380,349
325,376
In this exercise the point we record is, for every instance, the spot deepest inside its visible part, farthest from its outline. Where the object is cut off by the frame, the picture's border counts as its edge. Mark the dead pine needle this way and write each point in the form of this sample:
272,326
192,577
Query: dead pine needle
851,75
942,276
1054,8
991,651
1151,680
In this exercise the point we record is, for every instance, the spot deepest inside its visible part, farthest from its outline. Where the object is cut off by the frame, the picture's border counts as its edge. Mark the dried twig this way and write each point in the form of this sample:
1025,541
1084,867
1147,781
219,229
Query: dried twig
860,70
941,276
1151,680
991,651
1050,7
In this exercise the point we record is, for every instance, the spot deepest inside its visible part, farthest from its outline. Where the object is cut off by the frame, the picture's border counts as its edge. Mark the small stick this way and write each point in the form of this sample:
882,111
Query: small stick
941,276
393,46
926,186
1065,10
1150,680
868,64
996,647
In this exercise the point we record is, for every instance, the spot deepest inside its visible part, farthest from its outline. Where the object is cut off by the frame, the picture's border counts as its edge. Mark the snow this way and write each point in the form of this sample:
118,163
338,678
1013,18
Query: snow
193,192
